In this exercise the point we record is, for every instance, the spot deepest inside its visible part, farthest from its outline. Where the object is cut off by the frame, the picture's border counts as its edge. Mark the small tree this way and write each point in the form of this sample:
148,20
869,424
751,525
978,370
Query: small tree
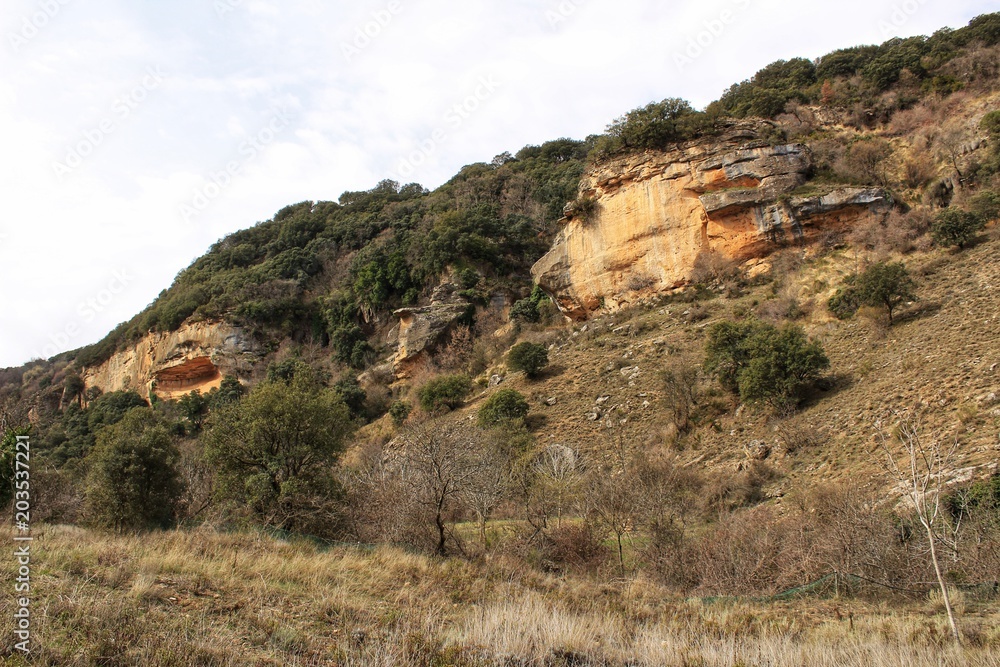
680,392
783,363
986,205
492,477
440,464
885,285
195,407
133,482
229,392
74,388
867,160
528,357
275,450
920,471
558,474
991,125
444,393
655,125
503,407
955,227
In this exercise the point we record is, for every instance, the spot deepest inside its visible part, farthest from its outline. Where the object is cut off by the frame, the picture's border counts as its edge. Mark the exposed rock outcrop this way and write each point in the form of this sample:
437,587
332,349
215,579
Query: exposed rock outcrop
420,329
196,357
654,212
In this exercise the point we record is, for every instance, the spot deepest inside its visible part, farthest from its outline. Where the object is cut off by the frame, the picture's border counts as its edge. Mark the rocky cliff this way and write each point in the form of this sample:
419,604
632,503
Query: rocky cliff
645,217
421,329
196,357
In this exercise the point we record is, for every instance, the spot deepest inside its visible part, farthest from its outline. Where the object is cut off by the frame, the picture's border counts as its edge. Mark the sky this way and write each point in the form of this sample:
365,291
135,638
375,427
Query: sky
137,133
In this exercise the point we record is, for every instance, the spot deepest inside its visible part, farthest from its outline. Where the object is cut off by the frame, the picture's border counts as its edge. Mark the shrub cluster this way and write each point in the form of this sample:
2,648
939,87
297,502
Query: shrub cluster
531,358
883,285
504,407
762,363
444,393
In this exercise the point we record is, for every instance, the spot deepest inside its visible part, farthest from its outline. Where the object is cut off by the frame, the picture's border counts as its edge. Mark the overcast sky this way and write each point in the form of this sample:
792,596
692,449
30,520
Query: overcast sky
135,134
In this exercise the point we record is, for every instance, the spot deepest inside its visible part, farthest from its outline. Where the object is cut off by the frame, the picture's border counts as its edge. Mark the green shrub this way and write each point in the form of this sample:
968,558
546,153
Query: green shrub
885,285
274,452
770,89
955,227
8,462
981,497
528,357
986,205
764,364
503,407
108,409
991,125
399,411
894,56
444,393
133,482
525,310
353,396
882,285
845,303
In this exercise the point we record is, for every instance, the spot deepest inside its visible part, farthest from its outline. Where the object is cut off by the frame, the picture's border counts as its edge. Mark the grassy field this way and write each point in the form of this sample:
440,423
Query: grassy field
208,598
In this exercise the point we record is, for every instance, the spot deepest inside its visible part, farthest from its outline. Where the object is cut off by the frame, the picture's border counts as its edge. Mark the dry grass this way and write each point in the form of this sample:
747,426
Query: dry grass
209,598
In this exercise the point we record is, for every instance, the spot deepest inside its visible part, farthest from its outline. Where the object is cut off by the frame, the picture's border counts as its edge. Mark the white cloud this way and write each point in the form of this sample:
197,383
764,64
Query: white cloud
351,120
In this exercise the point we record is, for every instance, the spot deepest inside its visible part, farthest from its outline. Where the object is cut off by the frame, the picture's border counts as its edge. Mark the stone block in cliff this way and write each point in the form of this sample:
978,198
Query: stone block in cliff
420,329
657,210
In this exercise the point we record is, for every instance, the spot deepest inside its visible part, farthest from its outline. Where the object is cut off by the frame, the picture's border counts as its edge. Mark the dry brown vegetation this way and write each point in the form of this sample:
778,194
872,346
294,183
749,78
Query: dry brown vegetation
208,598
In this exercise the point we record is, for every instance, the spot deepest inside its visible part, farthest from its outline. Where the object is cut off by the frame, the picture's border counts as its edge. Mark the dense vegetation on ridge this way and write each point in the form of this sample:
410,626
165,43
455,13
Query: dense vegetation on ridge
323,271
736,438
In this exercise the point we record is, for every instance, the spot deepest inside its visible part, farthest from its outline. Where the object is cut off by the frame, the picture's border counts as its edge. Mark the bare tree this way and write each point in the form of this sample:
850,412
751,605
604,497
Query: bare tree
558,475
198,481
613,503
680,393
439,467
490,481
380,505
953,143
920,472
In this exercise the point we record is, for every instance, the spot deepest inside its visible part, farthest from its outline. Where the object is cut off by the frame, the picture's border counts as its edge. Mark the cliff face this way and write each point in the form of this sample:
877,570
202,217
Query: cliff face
194,358
654,212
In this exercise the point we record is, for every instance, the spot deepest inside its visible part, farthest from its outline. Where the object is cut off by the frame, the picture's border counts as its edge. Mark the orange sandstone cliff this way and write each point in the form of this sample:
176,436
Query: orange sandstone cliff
650,214
194,358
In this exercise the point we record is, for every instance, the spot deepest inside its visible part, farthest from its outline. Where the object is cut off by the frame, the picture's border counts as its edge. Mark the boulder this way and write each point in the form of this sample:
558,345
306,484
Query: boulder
420,329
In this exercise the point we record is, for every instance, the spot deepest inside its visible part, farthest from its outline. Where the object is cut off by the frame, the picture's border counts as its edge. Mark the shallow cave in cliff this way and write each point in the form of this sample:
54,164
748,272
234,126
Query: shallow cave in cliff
192,375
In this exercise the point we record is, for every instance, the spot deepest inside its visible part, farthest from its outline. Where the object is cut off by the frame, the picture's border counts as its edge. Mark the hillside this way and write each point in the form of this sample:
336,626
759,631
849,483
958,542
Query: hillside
601,382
